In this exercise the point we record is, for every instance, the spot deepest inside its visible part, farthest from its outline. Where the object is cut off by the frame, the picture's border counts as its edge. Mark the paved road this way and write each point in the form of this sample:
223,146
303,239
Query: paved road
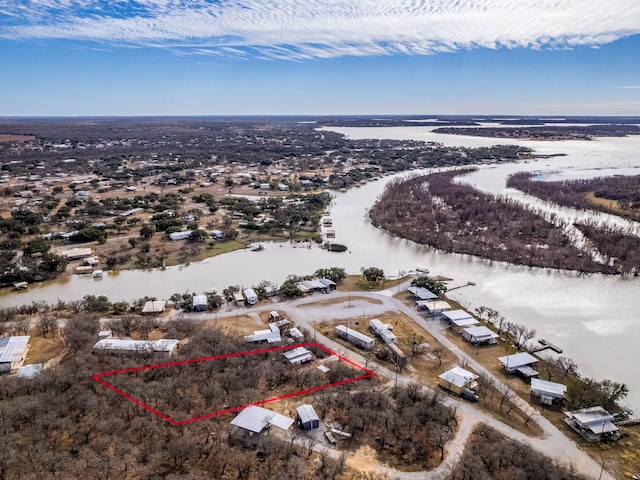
303,312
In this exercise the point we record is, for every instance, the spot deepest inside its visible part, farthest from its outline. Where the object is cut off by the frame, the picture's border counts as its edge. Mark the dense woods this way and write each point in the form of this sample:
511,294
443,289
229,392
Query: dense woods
436,211
490,455
623,191
617,195
62,424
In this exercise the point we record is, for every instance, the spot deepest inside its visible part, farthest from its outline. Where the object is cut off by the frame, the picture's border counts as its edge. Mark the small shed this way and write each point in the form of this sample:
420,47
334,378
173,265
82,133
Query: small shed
238,299
330,284
521,363
274,316
296,334
479,335
307,417
200,303
547,392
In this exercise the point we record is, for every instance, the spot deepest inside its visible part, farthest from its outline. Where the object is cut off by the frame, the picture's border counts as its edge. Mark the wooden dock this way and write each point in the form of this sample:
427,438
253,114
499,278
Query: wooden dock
547,345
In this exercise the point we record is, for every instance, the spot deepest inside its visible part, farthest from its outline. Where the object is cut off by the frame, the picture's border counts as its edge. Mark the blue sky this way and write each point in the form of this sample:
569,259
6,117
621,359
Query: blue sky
231,57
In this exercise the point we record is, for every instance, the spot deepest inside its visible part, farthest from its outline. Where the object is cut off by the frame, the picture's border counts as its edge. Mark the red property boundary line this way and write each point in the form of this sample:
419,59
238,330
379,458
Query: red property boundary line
98,378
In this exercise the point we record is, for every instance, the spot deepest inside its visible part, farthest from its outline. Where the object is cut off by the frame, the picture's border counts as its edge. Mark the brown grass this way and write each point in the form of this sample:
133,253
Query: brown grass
43,349
5,137
337,301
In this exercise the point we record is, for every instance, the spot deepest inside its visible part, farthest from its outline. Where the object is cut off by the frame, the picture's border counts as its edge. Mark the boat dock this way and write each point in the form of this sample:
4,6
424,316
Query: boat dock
547,345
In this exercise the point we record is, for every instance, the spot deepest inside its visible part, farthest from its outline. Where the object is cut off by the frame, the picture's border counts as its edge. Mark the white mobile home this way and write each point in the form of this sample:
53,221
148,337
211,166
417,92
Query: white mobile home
355,337
250,296
383,330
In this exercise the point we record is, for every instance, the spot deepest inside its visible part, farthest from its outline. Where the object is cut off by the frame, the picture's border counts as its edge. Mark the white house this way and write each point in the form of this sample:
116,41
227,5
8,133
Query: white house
13,352
383,330
547,392
117,345
594,423
457,380
521,363
479,335
354,337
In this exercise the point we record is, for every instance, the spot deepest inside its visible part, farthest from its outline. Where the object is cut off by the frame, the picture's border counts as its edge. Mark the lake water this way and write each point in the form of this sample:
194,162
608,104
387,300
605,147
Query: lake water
594,318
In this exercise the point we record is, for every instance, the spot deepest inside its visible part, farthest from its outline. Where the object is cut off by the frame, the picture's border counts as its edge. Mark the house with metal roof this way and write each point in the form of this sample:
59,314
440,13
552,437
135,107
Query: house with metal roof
547,392
117,345
298,355
154,306
254,420
457,380
13,352
355,337
421,293
521,363
593,424
479,335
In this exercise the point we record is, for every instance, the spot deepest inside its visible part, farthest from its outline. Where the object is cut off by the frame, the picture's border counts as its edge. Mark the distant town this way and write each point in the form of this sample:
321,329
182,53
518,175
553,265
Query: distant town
327,375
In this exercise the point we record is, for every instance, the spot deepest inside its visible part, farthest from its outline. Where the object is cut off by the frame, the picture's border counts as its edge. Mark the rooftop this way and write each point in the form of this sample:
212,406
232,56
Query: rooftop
255,419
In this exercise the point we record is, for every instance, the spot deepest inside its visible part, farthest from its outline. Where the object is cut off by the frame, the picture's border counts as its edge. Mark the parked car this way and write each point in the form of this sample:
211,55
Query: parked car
470,395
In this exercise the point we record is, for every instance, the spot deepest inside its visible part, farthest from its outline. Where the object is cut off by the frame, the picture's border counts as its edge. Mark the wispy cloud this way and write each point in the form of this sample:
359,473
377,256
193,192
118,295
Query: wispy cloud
300,30
629,87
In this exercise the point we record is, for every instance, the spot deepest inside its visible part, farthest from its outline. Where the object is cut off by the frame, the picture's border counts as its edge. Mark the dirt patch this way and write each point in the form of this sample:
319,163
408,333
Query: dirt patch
241,324
42,349
338,301
5,138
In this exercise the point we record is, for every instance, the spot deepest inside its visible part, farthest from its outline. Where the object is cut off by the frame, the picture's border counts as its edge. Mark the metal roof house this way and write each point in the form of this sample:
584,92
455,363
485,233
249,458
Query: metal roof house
383,330
435,308
421,293
13,351
520,363
547,392
175,236
200,303
457,380
298,355
330,284
455,315
479,335
355,337
154,306
307,417
593,424
253,420
270,335
460,324
117,345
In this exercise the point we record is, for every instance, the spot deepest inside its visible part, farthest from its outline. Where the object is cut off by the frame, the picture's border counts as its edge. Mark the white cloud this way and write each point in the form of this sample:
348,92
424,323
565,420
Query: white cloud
298,30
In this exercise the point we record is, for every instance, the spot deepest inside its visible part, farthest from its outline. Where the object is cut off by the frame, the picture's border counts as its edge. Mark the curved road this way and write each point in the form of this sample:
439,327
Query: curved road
303,312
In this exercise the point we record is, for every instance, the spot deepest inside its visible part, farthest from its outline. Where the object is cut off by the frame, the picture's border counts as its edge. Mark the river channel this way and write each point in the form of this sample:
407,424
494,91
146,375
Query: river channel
594,318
